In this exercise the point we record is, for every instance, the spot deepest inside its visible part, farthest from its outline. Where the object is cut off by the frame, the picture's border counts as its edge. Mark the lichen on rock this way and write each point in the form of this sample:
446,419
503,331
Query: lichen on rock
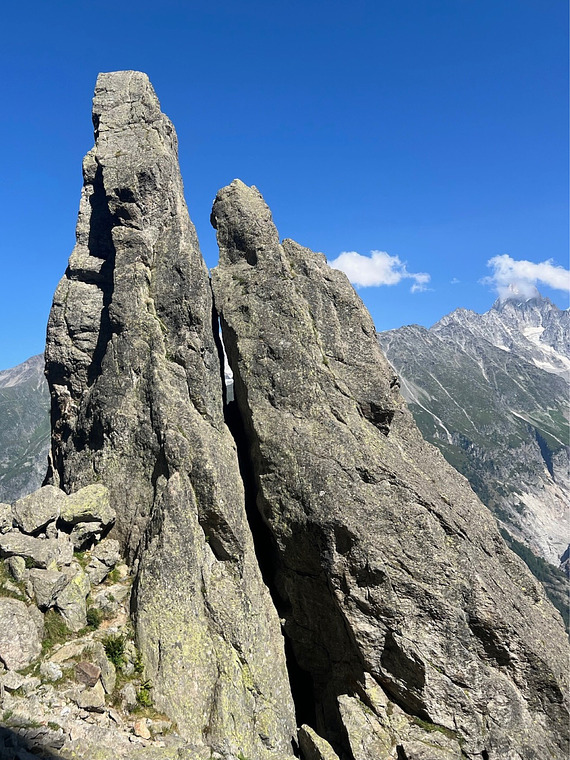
132,361
389,572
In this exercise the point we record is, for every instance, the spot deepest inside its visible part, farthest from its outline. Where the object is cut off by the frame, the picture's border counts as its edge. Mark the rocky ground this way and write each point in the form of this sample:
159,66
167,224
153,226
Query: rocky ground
72,683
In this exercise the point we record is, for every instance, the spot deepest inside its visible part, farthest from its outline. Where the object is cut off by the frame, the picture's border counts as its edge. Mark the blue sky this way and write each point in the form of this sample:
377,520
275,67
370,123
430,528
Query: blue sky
434,131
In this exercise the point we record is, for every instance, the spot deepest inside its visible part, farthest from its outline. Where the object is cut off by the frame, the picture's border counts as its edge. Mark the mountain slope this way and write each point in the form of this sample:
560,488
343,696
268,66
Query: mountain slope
491,392
479,389
24,428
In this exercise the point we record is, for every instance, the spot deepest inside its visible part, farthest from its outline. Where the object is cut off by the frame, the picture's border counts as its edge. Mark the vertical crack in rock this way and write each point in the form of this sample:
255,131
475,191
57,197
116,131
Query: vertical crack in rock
267,554
420,630
134,374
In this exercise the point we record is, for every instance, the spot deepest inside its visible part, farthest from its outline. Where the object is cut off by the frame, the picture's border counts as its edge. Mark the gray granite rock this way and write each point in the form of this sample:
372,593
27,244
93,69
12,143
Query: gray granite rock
108,672
103,559
128,696
46,585
12,680
37,619
64,549
389,571
88,505
71,600
20,643
50,671
92,698
133,366
6,519
17,567
107,551
85,534
315,747
35,511
39,552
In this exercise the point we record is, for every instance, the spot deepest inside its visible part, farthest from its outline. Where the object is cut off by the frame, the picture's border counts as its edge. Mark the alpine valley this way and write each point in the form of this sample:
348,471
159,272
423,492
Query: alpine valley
24,428
491,392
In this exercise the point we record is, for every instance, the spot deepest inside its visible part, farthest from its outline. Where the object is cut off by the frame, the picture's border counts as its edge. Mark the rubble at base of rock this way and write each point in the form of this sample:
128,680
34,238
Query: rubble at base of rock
67,697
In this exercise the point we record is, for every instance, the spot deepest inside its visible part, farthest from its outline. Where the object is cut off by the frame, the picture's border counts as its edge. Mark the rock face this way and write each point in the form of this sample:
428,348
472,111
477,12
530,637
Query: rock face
490,392
414,631
133,367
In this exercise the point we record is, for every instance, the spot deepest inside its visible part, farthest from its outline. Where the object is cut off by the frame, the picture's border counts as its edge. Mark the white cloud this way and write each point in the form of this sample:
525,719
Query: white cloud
455,281
521,277
378,269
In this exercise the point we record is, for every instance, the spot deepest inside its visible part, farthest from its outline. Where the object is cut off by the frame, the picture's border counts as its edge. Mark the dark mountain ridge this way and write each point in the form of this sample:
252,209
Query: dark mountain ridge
24,428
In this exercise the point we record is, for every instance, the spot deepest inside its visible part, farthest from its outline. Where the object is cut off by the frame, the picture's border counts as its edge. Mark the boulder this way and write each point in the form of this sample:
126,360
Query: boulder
104,557
17,567
87,673
88,505
46,586
386,566
34,512
314,747
92,698
71,601
50,671
128,697
11,680
37,551
108,552
20,643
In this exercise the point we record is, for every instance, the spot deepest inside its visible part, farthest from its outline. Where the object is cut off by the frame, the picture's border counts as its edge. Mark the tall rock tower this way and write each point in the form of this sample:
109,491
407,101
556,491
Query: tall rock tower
416,632
133,367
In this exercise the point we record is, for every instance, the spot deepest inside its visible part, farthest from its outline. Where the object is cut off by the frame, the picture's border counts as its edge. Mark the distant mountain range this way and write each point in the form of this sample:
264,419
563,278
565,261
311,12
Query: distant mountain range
24,428
491,392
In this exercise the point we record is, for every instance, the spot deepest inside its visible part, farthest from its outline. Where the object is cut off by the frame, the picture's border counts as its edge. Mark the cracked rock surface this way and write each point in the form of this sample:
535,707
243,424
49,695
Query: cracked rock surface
415,629
133,367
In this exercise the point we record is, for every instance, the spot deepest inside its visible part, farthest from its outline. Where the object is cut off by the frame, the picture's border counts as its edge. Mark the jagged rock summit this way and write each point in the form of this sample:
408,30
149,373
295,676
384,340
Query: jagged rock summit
310,505
416,631
132,361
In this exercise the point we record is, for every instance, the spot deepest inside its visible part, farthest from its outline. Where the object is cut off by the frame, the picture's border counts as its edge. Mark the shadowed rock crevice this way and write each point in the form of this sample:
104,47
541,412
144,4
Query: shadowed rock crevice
545,452
101,245
313,689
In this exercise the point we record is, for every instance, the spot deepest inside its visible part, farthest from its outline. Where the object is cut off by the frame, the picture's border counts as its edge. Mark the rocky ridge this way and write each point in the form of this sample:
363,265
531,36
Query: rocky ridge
390,574
479,389
322,526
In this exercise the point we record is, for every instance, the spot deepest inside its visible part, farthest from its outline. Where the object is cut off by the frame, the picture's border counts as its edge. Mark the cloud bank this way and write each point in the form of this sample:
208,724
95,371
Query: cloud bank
378,269
521,277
